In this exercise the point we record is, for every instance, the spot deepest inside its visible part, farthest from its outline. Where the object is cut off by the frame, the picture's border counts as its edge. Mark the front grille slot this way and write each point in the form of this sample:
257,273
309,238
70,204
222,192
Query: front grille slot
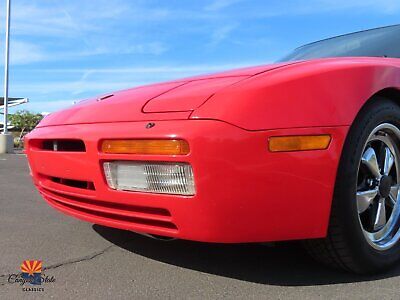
62,145
132,215
113,205
79,184
128,219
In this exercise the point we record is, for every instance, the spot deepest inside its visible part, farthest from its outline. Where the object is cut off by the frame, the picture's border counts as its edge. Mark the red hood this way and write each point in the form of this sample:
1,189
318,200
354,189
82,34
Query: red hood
179,98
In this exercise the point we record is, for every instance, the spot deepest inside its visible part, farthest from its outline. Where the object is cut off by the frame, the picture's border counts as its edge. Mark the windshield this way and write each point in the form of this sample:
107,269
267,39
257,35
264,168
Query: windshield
380,42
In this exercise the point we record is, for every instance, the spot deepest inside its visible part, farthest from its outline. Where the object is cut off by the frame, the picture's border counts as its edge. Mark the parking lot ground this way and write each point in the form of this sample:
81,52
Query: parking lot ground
95,262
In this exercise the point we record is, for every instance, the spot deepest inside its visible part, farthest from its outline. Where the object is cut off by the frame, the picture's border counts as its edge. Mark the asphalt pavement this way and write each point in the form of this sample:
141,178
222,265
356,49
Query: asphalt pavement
87,261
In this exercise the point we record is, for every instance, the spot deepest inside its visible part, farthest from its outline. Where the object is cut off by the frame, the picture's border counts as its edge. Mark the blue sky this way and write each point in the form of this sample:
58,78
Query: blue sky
63,51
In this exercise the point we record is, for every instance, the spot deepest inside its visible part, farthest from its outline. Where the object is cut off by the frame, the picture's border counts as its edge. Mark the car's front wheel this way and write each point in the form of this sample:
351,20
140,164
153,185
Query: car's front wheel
363,235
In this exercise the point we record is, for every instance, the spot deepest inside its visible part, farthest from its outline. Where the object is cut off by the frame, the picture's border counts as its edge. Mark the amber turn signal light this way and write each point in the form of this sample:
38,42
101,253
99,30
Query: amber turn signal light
145,147
299,143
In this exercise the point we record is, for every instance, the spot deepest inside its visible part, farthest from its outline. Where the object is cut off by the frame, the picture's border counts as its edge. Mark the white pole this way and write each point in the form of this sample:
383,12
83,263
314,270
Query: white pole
7,58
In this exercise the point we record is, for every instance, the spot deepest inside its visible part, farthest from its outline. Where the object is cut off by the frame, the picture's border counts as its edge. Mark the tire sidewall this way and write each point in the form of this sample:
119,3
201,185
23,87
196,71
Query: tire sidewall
366,258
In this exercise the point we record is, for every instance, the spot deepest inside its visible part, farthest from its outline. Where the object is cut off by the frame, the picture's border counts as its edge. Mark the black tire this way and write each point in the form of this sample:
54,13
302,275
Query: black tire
345,246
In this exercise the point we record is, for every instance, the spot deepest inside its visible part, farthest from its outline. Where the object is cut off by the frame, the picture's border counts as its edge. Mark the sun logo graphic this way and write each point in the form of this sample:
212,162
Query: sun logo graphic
32,271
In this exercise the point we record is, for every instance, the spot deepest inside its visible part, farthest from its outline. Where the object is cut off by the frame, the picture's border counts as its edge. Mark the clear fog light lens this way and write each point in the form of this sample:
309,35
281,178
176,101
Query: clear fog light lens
165,178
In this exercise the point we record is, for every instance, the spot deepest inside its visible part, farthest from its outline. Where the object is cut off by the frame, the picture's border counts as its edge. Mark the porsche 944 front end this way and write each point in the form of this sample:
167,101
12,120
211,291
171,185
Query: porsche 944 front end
149,160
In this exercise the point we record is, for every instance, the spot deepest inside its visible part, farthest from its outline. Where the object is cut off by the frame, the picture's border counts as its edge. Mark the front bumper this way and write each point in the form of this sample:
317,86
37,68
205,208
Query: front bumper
243,192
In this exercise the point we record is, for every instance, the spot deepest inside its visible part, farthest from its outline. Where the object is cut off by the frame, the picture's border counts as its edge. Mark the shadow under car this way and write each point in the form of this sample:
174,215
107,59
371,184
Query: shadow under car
285,264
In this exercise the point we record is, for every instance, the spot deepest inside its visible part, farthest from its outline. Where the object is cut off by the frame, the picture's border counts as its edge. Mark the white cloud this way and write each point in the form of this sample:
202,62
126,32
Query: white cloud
221,33
49,106
299,7
220,4
25,52
384,6
61,17
154,48
94,82
274,8
89,26
155,71
71,87
68,19
22,52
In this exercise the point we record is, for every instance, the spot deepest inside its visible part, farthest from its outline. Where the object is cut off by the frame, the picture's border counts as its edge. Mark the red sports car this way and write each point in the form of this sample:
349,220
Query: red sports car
303,149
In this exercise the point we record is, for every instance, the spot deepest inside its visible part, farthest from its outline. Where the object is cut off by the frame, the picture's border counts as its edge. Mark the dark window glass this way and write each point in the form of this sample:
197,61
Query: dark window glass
380,42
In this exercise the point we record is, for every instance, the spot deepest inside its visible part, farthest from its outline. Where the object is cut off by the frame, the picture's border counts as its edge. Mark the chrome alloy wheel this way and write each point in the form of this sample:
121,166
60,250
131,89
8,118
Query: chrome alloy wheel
378,185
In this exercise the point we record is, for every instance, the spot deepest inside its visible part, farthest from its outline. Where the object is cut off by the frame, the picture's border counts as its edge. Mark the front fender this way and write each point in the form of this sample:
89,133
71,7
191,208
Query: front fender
324,92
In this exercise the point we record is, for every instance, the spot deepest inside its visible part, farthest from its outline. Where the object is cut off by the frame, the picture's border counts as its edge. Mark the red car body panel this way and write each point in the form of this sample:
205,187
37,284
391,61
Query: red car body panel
244,193
123,106
129,105
191,95
324,92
